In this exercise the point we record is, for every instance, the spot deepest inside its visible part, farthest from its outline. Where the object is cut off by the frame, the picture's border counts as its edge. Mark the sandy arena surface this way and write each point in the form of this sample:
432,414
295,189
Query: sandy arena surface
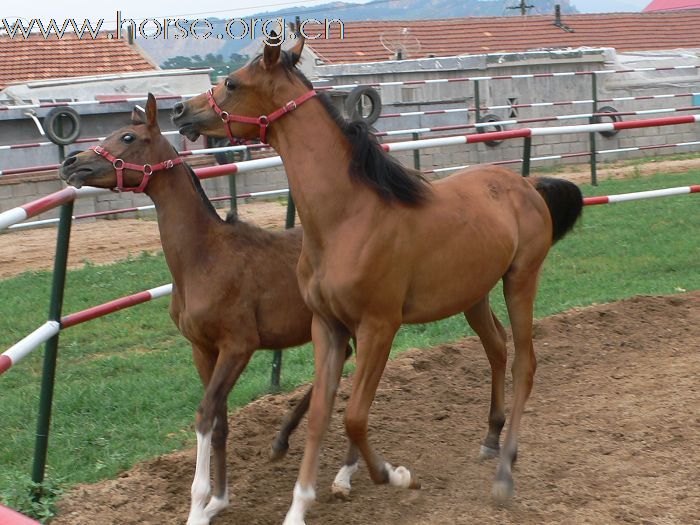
610,435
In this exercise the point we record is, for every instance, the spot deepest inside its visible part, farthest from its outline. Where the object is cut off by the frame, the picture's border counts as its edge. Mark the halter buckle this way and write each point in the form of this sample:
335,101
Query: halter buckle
290,106
168,164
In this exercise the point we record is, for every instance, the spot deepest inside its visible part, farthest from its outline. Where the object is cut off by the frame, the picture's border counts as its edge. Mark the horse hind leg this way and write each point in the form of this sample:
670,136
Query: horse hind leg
493,338
519,288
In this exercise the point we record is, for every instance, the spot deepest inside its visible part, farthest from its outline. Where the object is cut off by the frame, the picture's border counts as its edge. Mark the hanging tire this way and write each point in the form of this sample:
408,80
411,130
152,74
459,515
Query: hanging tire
599,118
490,117
355,104
62,125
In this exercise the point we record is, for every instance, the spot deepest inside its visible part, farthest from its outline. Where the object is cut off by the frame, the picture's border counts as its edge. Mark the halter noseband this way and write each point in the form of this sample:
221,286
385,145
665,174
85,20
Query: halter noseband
146,169
263,120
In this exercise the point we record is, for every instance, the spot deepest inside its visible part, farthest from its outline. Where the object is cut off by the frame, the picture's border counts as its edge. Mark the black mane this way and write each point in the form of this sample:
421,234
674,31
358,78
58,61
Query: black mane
200,190
370,163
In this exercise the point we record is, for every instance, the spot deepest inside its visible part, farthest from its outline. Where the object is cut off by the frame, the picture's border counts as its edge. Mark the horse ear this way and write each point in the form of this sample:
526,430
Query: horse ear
297,49
271,53
138,115
151,111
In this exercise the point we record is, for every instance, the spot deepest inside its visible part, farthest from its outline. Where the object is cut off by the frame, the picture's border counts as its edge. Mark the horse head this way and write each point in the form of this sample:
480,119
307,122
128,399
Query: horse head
247,101
127,158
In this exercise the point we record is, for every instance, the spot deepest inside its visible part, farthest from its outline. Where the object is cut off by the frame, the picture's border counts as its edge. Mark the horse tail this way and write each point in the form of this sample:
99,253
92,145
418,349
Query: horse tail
565,203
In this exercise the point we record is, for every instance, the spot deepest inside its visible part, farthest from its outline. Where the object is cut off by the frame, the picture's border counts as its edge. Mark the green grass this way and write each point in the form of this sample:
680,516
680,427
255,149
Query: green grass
126,389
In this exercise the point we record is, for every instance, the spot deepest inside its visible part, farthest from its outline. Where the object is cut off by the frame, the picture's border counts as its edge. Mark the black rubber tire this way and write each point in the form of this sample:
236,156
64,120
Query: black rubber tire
615,118
490,117
355,96
51,119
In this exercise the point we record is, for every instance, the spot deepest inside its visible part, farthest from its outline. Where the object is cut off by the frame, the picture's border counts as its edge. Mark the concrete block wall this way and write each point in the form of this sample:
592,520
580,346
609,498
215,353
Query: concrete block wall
455,95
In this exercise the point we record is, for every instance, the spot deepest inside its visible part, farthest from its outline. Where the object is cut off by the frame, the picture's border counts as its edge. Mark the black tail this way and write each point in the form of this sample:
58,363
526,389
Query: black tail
565,202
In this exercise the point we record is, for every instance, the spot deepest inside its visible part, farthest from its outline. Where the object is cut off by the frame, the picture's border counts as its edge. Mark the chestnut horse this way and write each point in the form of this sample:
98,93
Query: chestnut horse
383,247
234,285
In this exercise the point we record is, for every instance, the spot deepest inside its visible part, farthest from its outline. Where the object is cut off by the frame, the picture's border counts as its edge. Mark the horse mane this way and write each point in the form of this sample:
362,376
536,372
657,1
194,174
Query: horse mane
200,191
369,164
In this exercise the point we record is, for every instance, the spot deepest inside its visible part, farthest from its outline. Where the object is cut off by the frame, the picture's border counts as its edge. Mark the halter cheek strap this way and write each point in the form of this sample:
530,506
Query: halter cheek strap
146,169
263,121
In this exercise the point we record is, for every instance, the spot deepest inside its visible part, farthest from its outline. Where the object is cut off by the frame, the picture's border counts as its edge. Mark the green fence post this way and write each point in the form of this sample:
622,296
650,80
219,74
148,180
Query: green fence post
592,144
277,356
477,102
232,192
416,153
231,158
51,349
527,149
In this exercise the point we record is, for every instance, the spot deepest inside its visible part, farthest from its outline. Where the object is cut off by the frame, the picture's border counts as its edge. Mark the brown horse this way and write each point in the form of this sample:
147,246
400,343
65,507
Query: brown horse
234,285
384,247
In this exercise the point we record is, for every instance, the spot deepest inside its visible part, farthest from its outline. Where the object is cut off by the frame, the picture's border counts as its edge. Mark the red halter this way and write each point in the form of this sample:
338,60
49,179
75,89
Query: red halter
263,120
146,169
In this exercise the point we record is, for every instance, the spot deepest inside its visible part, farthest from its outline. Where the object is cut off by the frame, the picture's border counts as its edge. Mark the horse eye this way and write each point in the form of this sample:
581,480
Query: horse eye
128,138
230,85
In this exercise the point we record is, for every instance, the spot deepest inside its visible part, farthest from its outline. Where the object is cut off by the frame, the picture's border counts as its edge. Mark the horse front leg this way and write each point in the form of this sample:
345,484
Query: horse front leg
342,482
330,340
280,445
211,427
374,338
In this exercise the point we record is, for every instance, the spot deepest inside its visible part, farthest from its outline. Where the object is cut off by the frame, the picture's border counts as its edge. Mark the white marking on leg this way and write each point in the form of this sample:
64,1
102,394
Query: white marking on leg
201,486
216,505
341,485
399,476
302,500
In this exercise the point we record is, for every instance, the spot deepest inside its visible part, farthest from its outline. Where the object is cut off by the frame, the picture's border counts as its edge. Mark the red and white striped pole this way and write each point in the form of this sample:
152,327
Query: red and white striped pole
639,195
24,347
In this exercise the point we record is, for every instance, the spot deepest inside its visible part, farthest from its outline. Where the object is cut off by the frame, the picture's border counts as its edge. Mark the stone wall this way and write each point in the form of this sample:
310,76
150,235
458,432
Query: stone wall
461,95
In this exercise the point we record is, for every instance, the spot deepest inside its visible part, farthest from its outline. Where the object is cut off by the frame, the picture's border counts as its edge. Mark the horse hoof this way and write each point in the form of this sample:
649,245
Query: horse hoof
278,451
502,491
200,519
488,452
340,492
402,477
215,506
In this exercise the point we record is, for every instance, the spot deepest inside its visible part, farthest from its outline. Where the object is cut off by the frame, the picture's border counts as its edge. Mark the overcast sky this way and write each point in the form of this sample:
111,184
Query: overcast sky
140,9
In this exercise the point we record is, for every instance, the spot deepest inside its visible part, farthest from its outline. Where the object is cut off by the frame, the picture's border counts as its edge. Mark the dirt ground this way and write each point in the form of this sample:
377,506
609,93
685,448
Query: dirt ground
610,435
105,241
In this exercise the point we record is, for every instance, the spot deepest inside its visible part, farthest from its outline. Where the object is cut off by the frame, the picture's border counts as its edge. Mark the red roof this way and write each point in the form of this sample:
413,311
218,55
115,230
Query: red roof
671,5
478,35
37,58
